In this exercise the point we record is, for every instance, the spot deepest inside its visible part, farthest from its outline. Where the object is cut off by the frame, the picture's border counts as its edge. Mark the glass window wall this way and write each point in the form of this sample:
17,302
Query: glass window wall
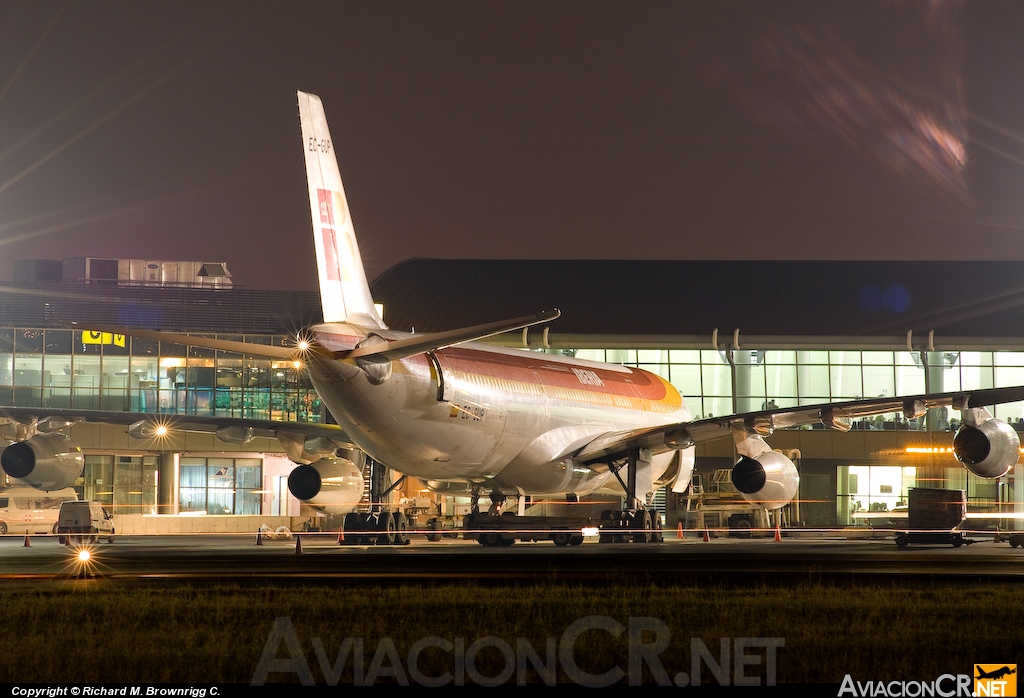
100,371
764,379
220,485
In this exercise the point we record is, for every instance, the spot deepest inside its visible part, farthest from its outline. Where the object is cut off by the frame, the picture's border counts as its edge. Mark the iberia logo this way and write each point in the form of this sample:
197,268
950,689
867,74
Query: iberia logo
995,679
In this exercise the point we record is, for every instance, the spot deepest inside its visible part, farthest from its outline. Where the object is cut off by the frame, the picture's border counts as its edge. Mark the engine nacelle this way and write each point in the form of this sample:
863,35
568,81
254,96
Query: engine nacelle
46,462
769,479
988,450
333,485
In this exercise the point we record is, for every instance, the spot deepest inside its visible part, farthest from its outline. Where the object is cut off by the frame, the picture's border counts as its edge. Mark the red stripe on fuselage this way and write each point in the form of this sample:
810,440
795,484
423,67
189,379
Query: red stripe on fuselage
537,369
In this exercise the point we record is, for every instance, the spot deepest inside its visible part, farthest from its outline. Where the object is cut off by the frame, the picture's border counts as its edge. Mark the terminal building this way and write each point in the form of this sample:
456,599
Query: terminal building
731,336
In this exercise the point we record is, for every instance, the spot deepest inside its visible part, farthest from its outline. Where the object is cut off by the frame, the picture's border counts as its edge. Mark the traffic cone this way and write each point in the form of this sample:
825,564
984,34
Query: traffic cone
679,530
259,537
707,534
298,545
341,536
28,543
778,533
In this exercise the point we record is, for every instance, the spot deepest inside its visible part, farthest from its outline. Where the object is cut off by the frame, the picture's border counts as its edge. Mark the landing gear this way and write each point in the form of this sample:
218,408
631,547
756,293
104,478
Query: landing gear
384,528
658,534
497,503
639,526
637,523
643,526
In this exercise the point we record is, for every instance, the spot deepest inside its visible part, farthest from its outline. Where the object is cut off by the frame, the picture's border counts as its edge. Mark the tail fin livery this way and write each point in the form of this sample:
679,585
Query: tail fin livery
344,293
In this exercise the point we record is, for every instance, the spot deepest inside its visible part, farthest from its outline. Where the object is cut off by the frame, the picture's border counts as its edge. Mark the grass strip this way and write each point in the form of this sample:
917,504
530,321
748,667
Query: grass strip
95,632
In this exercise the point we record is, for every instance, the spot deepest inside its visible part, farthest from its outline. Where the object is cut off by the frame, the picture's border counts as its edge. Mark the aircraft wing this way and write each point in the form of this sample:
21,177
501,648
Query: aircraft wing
835,415
145,425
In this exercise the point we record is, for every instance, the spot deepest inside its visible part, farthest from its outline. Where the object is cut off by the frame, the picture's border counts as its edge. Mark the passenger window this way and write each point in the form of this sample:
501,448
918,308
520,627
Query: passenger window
4,502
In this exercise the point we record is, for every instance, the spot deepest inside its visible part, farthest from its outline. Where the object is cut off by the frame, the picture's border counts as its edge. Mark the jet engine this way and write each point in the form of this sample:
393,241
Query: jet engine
333,485
769,479
46,462
989,449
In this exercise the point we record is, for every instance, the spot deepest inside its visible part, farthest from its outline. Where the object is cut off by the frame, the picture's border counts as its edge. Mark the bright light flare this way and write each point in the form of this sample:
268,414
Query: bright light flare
304,342
83,558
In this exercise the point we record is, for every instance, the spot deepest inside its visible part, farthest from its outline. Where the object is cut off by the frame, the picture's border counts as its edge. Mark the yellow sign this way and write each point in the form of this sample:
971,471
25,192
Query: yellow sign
90,337
995,680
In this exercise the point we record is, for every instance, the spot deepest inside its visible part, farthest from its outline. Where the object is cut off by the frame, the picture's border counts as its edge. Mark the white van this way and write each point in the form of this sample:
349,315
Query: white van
27,510
84,522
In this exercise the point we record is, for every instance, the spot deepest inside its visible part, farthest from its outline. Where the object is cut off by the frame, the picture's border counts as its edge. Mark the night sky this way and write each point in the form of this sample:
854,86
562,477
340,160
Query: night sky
605,130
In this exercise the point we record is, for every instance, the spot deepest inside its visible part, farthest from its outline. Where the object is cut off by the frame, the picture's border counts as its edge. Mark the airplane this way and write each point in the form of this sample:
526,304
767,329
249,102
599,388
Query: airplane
467,417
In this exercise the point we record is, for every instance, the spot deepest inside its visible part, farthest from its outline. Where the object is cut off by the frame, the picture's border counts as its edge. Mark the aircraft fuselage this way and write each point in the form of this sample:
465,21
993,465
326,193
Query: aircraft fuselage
487,414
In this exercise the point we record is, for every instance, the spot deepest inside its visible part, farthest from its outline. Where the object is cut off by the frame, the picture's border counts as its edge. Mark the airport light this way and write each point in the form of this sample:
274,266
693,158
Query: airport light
145,429
83,561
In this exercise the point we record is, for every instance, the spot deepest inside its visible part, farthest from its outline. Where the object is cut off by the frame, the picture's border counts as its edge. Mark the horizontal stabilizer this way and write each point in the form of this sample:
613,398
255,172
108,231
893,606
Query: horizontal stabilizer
420,344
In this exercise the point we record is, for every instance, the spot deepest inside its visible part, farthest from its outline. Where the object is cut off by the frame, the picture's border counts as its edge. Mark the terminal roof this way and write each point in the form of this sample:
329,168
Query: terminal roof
780,298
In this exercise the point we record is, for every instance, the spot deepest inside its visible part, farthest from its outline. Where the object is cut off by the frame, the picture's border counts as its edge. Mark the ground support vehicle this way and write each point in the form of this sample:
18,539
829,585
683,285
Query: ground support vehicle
933,516
84,522
28,510
493,530
719,505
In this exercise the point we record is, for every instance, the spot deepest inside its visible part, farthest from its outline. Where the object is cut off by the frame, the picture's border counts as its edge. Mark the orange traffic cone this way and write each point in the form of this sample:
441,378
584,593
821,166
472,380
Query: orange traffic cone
679,530
707,534
778,533
28,543
298,545
259,538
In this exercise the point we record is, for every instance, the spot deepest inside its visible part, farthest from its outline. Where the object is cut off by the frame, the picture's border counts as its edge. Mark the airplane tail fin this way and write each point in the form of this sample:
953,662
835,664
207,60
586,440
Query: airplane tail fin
344,293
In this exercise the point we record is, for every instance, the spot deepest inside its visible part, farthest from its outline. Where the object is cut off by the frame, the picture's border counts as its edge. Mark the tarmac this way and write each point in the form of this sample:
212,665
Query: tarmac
308,557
